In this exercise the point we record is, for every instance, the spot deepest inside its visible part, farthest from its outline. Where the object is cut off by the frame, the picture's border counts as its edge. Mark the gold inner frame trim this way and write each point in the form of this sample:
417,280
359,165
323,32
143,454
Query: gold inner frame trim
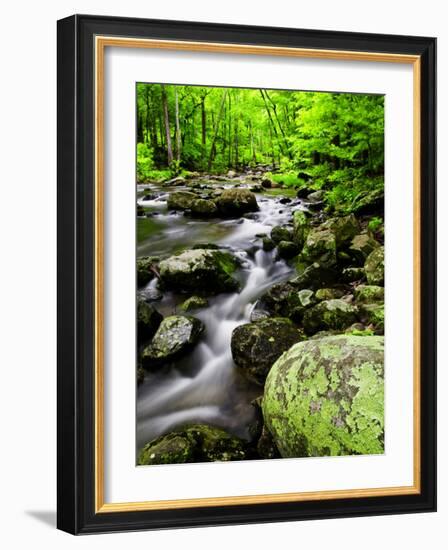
101,42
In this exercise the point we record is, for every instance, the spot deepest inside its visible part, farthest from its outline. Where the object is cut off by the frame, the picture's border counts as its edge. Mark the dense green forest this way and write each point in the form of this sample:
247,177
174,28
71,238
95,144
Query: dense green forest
335,140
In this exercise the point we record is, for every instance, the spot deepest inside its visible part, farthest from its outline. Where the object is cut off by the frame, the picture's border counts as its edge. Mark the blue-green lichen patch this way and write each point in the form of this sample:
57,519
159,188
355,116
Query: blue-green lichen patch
325,397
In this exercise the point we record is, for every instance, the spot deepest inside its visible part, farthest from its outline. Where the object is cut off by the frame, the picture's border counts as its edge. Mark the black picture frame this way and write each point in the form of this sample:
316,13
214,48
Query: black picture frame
76,256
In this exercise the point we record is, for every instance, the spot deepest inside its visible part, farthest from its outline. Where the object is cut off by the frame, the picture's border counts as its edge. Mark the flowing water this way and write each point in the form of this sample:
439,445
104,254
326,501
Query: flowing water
206,386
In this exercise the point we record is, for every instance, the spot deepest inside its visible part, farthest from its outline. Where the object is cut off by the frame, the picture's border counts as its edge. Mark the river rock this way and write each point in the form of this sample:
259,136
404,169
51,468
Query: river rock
313,276
368,294
203,208
199,270
175,336
329,315
326,398
329,293
194,302
146,267
320,246
373,314
361,246
374,267
234,202
301,227
256,346
181,200
268,244
266,183
287,250
281,299
344,229
316,196
370,202
353,274
148,320
197,443
281,233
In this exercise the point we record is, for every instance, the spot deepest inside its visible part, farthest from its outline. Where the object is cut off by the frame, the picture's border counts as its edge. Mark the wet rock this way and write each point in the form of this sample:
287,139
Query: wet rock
199,270
197,443
320,246
203,208
353,274
307,297
234,202
281,299
287,250
344,229
304,192
175,336
266,183
256,346
325,397
281,233
146,269
266,447
361,246
334,314
179,180
148,321
150,294
268,244
374,267
181,200
370,203
329,293
194,302
258,314
205,246
316,196
368,294
285,200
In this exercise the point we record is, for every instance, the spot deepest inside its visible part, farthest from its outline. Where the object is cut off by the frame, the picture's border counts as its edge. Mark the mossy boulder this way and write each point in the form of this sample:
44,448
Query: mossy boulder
329,293
320,247
146,267
344,229
287,250
370,202
325,397
361,246
373,314
374,267
197,443
176,335
181,200
281,233
194,302
268,244
368,294
301,227
234,202
329,315
203,208
148,321
199,270
313,276
256,346
281,299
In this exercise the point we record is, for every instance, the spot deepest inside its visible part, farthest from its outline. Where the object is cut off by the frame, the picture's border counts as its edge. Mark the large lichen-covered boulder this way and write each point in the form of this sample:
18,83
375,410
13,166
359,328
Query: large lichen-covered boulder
203,208
197,443
344,228
301,227
148,320
146,268
374,267
325,397
176,335
256,346
361,246
334,314
368,294
320,246
234,202
181,200
199,270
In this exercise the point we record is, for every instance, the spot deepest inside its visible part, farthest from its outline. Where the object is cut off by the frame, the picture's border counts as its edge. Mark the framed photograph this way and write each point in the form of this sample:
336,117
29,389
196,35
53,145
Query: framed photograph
246,274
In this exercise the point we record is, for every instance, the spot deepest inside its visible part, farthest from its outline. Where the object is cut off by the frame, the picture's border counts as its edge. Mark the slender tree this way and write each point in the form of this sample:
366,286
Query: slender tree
169,149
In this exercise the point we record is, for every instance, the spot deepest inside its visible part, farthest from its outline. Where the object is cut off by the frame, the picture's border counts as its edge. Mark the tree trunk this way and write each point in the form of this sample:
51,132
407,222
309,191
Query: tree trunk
274,107
279,141
215,134
169,149
178,134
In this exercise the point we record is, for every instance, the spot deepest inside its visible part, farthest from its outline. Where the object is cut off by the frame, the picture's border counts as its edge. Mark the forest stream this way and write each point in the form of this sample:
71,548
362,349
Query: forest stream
206,387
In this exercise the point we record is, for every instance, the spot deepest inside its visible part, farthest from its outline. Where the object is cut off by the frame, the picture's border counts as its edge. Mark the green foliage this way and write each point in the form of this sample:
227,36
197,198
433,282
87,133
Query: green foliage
376,224
324,140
